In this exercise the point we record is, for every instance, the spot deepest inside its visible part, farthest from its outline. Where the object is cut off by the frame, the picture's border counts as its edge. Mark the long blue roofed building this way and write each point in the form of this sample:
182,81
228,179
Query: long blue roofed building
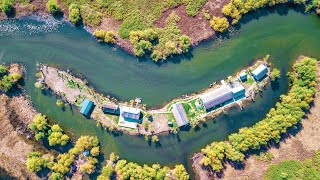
216,97
180,114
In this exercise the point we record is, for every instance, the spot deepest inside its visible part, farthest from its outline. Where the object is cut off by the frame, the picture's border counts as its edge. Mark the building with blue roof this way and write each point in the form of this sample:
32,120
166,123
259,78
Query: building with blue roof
259,72
243,76
86,107
238,91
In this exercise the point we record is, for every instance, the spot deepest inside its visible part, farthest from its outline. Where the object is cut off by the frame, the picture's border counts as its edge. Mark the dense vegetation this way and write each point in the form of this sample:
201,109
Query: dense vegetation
130,170
275,74
219,23
287,113
7,81
53,7
235,9
85,151
309,169
42,130
161,41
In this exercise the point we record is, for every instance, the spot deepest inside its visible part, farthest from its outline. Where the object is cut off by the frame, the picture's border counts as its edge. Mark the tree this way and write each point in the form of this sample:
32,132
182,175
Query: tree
6,6
74,14
35,162
55,176
57,137
105,36
180,172
39,123
95,151
219,23
154,138
3,69
107,173
53,7
60,103
38,85
113,157
16,76
275,74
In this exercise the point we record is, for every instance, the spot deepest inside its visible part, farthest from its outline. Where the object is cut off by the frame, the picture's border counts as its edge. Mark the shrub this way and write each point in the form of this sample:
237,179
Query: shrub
219,24
105,36
6,6
53,7
74,14
275,74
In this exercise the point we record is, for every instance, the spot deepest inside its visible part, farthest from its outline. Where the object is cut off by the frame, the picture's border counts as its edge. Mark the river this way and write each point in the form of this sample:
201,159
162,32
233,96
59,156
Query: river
282,33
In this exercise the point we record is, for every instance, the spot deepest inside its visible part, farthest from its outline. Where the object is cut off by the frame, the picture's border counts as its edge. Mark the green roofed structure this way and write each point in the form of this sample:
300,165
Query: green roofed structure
86,107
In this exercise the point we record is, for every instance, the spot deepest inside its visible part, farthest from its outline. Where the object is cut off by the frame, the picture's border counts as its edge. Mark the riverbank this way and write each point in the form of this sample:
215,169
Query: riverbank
298,142
16,112
74,90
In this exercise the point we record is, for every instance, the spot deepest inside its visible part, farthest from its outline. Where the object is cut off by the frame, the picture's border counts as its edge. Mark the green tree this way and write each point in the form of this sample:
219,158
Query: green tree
55,176
114,157
219,23
56,136
180,172
74,14
3,69
275,74
53,7
60,103
7,6
35,162
107,172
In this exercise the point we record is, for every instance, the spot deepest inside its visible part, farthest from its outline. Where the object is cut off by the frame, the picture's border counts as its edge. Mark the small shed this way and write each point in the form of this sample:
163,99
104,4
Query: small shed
86,153
86,107
180,114
259,72
238,91
110,109
170,124
243,76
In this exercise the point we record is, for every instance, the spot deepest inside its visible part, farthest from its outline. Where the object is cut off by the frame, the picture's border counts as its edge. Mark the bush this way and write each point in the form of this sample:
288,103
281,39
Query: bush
74,14
6,6
53,7
275,74
219,24
105,36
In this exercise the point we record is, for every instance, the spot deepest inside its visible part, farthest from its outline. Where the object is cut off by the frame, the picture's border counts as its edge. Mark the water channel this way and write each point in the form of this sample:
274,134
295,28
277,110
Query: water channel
282,33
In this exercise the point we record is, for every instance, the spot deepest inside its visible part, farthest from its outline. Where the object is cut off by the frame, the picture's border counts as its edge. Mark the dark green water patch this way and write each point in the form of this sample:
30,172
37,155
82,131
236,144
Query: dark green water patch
284,36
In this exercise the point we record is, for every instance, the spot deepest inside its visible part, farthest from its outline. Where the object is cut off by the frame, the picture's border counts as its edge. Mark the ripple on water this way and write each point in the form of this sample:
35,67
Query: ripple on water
37,25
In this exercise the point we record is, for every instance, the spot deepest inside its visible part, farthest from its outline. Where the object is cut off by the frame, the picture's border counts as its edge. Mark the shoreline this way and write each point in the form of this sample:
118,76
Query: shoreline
58,81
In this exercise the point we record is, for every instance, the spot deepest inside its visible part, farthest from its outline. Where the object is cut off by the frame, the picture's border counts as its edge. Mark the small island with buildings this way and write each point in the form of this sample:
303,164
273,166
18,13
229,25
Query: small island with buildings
134,118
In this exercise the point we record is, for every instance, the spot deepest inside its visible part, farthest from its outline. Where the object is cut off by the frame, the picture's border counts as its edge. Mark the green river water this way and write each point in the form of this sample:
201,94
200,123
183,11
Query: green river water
282,33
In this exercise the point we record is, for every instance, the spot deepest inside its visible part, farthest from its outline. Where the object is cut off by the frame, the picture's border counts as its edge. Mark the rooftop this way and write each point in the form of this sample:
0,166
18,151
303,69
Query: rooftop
216,97
180,114
259,69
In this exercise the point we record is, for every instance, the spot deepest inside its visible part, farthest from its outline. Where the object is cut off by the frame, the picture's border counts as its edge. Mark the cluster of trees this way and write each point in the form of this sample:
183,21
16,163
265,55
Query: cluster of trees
162,42
287,113
130,170
53,7
61,165
42,130
236,8
219,23
295,169
8,80
105,36
275,74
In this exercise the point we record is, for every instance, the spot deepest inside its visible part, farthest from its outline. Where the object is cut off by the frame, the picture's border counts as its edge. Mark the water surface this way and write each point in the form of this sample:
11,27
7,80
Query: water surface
282,34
